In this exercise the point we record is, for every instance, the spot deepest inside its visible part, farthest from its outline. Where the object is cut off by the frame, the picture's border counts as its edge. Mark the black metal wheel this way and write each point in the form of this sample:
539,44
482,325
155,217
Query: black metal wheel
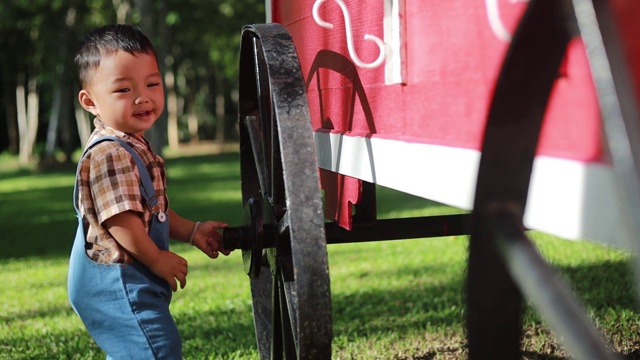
284,248
504,265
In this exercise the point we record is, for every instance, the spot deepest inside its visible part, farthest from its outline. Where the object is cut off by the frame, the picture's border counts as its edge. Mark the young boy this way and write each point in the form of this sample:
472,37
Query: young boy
121,270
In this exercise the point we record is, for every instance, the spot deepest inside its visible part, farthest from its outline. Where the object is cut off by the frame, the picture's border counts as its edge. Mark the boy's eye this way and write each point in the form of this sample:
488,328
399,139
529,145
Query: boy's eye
153,84
123,90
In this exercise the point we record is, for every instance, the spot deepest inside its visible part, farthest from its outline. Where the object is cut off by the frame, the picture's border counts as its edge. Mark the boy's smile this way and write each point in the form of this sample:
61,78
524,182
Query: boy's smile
125,92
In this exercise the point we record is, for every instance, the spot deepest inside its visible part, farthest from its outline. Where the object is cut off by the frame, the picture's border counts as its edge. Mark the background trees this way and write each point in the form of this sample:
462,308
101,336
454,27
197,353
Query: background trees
197,43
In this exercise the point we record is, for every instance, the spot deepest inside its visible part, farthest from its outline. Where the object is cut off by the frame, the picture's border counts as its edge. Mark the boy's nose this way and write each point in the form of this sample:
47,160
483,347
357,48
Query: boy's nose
141,100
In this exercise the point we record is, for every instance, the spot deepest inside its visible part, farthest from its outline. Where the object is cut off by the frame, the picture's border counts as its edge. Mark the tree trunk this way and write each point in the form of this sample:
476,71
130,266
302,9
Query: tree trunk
10,107
192,119
32,115
122,8
157,134
84,124
65,131
21,108
52,130
59,133
27,118
172,109
220,113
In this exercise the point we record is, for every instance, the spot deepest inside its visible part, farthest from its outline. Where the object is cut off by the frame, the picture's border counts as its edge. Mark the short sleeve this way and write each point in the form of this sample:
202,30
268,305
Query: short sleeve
114,182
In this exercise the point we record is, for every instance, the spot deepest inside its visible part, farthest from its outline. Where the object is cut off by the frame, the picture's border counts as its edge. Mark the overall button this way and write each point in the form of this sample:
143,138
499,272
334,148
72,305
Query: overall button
162,217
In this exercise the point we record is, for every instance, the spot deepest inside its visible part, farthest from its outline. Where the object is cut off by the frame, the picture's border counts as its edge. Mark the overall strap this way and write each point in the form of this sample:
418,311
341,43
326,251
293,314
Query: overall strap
147,190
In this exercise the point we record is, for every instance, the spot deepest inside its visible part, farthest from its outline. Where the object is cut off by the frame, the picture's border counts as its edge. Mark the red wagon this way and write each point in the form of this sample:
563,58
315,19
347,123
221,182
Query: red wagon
523,112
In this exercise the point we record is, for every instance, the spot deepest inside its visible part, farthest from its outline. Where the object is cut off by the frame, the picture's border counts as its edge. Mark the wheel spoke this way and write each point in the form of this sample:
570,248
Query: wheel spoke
287,315
277,183
262,300
257,147
261,138
277,335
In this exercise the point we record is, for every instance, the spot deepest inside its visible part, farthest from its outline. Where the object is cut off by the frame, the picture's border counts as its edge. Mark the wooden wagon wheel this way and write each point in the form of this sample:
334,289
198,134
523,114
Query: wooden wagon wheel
284,250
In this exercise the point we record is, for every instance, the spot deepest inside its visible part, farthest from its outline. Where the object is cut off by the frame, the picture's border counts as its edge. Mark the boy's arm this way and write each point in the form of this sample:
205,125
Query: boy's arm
205,237
128,230
179,227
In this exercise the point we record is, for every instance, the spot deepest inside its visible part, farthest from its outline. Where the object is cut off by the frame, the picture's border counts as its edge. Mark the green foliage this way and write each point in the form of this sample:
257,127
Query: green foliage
197,40
390,300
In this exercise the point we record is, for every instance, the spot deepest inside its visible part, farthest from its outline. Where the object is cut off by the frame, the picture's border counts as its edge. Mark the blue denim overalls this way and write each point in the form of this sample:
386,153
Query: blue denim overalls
124,307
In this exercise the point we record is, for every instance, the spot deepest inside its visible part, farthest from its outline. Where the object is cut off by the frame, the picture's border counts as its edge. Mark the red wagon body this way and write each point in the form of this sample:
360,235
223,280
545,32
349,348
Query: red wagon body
415,120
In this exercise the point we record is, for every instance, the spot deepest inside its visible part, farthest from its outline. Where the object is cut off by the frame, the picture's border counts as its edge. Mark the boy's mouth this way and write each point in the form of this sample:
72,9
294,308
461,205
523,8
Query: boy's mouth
143,113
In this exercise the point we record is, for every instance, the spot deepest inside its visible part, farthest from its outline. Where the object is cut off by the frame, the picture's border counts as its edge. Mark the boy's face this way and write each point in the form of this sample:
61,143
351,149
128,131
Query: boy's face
125,92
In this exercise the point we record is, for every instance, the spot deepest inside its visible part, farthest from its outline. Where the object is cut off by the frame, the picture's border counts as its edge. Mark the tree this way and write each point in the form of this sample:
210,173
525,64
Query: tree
197,44
204,58
63,97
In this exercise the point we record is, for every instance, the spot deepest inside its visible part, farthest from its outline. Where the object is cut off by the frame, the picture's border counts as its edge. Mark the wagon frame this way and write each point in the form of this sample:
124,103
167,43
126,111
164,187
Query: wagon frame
284,237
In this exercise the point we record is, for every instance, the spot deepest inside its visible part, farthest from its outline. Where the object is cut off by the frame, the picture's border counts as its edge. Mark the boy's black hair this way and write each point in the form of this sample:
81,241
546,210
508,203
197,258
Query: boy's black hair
107,40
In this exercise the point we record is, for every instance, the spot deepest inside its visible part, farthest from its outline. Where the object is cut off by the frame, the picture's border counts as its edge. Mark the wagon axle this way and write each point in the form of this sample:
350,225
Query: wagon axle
266,235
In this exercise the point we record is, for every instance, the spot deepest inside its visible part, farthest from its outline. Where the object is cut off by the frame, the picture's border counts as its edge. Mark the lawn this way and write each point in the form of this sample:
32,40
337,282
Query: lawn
391,300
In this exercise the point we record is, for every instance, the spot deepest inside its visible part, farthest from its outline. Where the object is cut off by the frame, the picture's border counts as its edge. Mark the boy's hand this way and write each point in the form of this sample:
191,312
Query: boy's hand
171,267
209,240
128,230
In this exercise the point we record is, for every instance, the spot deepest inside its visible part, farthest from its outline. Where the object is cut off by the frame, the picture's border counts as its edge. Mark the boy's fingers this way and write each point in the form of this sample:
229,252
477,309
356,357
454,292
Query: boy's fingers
173,285
182,276
218,224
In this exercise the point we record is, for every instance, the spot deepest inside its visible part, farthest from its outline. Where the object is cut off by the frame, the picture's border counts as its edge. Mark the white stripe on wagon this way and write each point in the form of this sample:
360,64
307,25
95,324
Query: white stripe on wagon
570,199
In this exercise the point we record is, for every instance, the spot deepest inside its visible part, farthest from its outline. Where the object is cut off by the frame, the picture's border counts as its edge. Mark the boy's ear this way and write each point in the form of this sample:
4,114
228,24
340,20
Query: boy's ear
87,102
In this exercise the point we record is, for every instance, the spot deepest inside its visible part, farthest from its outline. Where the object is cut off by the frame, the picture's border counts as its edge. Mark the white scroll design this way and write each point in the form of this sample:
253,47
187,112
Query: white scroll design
495,21
347,24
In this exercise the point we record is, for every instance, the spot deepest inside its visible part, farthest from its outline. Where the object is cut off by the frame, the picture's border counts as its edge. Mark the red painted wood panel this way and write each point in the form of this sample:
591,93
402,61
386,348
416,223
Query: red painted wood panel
452,61
453,51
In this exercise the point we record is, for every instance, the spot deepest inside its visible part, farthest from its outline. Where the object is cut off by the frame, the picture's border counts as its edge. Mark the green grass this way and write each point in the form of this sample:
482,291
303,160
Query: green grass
391,300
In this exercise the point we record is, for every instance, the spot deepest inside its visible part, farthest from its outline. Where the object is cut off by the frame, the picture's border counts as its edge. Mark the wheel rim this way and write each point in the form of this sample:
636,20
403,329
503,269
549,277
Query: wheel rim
281,192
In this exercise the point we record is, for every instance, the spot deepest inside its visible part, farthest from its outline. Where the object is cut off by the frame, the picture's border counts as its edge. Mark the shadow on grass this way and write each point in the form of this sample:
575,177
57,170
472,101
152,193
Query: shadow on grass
606,290
14,173
38,219
398,310
220,333
44,312
389,200
37,223
606,285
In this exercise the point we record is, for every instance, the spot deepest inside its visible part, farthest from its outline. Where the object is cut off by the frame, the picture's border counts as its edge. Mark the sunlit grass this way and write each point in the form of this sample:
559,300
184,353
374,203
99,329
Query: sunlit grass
390,300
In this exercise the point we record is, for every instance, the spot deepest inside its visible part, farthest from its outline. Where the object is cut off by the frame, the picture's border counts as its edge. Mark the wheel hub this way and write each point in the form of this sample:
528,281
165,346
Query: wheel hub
252,238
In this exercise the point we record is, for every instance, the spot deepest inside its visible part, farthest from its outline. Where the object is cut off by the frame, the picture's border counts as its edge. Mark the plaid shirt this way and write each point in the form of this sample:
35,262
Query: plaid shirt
109,184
